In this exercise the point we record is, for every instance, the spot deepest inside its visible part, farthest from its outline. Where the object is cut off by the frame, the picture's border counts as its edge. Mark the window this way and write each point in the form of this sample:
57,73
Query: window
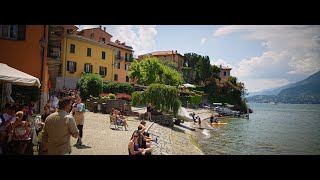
69,31
72,48
71,66
103,71
225,73
127,78
16,32
126,57
116,77
89,52
118,54
87,68
104,40
103,55
164,58
126,67
117,65
92,35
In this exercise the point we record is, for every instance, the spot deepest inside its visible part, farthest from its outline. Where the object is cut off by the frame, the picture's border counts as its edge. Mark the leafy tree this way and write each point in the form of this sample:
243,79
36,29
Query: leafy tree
114,87
90,84
170,64
197,68
135,71
171,77
151,68
163,97
152,71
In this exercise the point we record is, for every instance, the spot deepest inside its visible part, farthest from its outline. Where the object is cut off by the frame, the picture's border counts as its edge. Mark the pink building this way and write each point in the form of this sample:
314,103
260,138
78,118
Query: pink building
225,72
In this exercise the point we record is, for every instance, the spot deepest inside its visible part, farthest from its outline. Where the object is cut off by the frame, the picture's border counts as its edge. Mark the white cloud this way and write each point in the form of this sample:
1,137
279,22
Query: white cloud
203,40
140,37
221,62
292,53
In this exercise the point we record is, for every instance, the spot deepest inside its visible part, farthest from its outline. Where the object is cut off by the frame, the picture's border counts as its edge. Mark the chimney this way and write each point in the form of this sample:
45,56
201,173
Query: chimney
176,52
100,26
104,28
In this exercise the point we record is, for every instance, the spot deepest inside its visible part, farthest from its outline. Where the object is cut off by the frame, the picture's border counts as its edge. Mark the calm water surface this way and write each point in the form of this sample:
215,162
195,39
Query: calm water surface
273,129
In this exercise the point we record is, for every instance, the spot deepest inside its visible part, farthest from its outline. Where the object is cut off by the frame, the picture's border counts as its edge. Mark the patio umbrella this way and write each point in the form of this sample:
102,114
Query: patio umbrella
189,85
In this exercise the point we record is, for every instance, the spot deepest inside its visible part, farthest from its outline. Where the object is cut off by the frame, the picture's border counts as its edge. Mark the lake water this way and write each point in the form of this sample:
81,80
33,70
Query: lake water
272,129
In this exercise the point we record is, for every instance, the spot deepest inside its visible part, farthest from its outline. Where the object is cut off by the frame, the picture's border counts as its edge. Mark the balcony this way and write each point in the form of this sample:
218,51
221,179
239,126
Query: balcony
118,58
54,55
128,59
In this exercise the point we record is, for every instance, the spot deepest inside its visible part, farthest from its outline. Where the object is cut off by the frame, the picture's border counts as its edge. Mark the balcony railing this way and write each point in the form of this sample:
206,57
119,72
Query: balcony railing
54,55
128,59
118,58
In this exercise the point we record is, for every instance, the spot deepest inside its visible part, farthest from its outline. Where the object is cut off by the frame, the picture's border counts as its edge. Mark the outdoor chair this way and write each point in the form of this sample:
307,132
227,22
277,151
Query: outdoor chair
117,125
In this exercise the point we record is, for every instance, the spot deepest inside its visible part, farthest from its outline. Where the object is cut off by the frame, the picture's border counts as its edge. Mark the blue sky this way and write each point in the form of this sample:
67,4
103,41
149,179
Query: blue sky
262,57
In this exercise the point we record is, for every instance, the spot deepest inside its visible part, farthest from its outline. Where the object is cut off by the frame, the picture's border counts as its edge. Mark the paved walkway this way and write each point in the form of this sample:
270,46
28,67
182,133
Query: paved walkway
99,139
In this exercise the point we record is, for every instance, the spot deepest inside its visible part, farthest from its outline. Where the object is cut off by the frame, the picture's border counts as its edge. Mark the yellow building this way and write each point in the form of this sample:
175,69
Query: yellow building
172,56
123,59
83,55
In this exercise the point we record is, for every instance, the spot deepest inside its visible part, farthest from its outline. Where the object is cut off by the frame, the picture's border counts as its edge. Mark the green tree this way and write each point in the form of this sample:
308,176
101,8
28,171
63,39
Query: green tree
152,71
90,84
162,97
196,68
135,71
151,68
171,77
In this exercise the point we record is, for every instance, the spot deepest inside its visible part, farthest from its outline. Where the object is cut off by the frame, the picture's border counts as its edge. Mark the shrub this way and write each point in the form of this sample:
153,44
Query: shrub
112,96
90,84
124,97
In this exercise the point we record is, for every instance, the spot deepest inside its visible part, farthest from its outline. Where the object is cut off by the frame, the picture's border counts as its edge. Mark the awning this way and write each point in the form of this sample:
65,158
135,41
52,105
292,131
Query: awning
14,76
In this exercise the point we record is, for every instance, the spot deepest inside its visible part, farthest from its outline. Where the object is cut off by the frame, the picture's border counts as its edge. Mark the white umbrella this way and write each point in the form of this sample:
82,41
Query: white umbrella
189,85
14,76
9,75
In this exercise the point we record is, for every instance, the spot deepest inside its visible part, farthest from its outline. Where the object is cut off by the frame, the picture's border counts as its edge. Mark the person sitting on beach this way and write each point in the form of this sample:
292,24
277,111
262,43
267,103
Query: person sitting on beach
122,118
144,140
134,147
143,130
215,119
211,118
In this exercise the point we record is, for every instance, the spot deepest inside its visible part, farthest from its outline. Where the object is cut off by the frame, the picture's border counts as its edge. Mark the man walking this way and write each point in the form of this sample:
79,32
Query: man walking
59,127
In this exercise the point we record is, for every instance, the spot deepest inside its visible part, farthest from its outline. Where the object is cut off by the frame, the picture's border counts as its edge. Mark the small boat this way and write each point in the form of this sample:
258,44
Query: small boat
218,124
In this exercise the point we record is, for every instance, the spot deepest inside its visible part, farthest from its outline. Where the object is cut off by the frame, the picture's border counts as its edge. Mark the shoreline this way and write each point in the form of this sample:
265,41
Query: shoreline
179,139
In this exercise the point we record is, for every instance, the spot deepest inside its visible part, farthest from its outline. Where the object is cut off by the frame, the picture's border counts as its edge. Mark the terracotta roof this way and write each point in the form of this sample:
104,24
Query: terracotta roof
162,53
97,28
87,39
120,46
226,68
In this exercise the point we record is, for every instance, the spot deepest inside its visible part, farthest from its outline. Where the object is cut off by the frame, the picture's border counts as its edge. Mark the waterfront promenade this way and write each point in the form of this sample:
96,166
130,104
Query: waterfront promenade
99,139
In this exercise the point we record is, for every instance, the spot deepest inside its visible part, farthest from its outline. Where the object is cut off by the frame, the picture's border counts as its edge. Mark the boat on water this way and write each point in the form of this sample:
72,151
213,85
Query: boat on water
218,123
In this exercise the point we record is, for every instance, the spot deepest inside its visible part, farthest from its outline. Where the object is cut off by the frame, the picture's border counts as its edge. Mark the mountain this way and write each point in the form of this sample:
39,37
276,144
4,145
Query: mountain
309,86
272,91
305,91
